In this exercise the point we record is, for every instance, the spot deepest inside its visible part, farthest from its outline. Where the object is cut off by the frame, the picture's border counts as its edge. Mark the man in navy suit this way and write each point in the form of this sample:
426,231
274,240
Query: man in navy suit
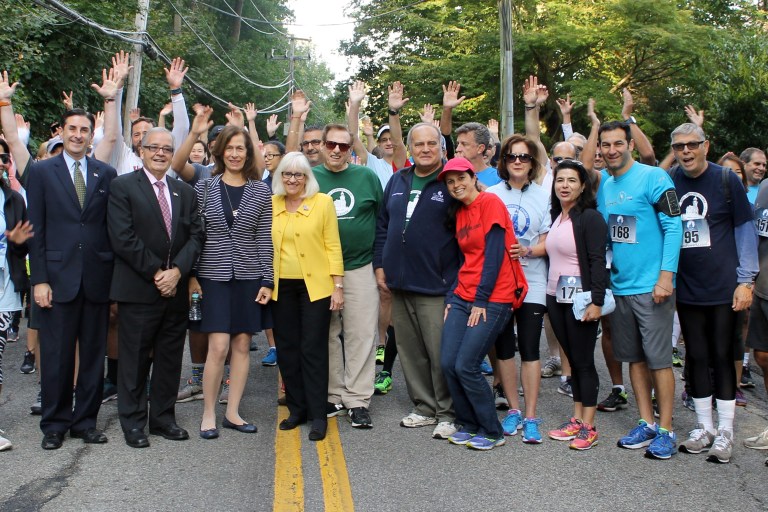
156,233
71,268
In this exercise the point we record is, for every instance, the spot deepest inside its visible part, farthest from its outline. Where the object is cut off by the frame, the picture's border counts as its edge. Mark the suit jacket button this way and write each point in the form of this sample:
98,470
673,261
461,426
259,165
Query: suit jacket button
302,255
309,275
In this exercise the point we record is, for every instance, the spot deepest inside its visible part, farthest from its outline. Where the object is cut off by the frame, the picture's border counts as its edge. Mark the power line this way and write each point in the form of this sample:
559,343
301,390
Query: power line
236,15
265,19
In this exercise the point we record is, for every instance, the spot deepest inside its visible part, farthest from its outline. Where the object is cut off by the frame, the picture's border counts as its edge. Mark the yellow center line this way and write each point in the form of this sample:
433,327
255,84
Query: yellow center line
337,493
289,478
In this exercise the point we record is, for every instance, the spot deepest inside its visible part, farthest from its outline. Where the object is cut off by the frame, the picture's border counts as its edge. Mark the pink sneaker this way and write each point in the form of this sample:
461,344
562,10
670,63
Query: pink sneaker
567,430
585,439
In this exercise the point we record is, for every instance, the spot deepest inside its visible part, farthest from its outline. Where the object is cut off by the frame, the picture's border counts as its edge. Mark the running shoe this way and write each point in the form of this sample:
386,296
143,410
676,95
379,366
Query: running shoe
192,390
110,391
663,446
271,358
722,447
677,361
380,354
616,400
486,368
444,430
332,409
499,398
5,444
37,408
688,401
585,439
741,400
485,443
746,378
512,422
531,434
360,417
758,442
12,336
383,383
699,440
565,388
638,437
224,396
415,420
460,437
552,367
28,366
567,431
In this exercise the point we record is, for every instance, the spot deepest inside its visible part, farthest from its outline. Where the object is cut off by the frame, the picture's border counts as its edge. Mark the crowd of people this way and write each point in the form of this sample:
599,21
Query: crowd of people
350,245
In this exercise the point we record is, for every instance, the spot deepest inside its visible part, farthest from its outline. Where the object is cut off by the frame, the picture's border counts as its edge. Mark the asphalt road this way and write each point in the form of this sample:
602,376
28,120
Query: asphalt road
386,468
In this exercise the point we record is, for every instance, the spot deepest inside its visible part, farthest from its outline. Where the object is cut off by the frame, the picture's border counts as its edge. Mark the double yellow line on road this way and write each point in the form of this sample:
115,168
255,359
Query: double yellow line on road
289,473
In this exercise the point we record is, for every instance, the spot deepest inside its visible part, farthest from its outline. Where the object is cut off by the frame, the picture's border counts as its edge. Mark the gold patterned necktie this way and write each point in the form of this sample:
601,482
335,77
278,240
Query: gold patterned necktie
79,184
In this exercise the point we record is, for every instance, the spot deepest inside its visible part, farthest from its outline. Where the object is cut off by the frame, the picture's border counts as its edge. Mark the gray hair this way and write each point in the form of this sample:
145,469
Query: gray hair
420,125
158,129
688,129
481,133
746,155
295,161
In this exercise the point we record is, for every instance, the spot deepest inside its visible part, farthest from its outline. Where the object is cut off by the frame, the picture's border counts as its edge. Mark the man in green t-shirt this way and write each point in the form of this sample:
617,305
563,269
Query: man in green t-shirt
357,195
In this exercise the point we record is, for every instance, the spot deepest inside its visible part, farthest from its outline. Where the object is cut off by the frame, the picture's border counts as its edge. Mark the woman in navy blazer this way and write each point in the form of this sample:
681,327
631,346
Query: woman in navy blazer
234,274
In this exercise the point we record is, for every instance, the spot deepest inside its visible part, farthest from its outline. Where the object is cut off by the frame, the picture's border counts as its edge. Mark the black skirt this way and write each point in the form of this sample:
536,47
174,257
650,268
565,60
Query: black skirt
231,307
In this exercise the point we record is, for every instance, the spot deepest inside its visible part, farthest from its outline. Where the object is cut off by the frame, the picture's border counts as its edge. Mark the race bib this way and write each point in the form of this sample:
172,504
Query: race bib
695,233
623,228
567,286
761,221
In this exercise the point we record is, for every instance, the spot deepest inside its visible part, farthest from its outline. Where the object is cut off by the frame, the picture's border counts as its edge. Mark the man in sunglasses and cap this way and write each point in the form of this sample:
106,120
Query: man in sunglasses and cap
357,195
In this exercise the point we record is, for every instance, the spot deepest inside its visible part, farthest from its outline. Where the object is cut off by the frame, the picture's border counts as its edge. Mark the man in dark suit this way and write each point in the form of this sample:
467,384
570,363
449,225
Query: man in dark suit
156,234
71,266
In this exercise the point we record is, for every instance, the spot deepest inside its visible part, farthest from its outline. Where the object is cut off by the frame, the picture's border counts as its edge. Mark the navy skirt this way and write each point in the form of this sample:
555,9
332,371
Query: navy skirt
231,307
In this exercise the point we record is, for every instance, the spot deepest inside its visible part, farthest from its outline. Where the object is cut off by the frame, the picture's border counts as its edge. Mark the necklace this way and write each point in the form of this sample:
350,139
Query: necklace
234,210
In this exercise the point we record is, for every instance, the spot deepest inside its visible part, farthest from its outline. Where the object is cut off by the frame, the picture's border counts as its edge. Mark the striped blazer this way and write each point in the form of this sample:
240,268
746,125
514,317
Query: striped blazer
245,251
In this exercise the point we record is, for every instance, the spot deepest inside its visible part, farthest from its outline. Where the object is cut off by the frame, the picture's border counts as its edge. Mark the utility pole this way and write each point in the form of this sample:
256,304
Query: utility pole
291,57
134,76
507,76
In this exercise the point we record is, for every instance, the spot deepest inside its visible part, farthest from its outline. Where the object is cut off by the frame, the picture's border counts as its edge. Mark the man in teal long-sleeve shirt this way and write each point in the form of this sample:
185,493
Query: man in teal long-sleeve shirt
645,232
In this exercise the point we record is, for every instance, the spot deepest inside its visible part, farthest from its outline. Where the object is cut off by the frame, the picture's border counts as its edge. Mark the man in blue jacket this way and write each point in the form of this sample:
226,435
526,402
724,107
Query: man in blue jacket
416,257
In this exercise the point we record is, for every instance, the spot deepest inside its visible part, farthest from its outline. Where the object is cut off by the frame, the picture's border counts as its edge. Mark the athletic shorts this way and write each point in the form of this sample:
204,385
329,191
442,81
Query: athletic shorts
642,330
757,333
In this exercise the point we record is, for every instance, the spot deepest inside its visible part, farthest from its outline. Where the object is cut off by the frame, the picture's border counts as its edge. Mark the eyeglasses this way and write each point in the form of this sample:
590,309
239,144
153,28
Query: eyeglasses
298,176
270,156
343,147
690,145
5,158
522,157
314,142
559,159
154,148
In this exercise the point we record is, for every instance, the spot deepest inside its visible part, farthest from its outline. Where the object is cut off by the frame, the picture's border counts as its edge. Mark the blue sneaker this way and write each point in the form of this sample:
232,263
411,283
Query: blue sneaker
531,434
485,443
638,437
460,437
271,358
512,423
486,368
663,446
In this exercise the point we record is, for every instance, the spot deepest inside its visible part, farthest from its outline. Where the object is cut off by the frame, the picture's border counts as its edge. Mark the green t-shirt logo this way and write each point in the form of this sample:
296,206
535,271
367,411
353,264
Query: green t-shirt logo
343,200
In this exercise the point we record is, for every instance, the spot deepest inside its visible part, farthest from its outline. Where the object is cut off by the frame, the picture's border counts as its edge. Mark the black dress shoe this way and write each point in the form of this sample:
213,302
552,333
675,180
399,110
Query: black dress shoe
172,432
136,438
89,436
317,433
246,428
291,423
52,440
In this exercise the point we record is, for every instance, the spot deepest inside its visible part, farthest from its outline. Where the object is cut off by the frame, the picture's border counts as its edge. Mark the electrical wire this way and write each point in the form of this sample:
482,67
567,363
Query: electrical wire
265,19
236,15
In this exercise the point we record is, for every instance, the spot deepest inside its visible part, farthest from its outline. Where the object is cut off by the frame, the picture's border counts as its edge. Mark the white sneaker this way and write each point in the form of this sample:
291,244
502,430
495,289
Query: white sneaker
4,443
722,448
759,442
414,420
444,430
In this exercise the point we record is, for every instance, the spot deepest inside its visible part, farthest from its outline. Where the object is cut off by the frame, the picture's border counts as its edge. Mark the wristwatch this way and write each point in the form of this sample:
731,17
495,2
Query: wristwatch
748,285
339,286
393,112
631,120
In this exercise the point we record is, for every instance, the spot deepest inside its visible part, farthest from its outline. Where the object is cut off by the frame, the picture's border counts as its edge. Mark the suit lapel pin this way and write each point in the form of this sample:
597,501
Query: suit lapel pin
101,191
306,207
95,175
176,194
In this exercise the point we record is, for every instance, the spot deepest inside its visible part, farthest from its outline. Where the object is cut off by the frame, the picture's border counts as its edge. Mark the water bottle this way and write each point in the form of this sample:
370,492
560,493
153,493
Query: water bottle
195,314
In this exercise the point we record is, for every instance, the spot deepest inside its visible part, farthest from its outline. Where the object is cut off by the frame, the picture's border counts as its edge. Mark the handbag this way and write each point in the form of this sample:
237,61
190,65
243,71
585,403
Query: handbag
582,300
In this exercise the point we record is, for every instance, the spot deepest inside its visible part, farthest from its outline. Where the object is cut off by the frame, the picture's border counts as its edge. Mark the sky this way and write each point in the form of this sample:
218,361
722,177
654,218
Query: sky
312,13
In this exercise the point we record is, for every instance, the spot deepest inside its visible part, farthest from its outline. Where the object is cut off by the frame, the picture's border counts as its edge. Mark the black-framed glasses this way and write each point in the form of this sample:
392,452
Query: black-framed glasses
5,158
522,157
270,156
298,176
343,146
154,148
693,145
314,142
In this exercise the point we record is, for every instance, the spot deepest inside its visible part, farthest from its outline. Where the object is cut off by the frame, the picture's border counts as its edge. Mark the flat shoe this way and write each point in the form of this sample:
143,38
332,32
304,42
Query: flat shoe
246,428
291,423
211,433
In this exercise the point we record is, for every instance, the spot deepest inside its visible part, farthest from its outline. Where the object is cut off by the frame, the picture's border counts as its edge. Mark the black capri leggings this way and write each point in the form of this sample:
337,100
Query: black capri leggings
529,318
578,341
708,333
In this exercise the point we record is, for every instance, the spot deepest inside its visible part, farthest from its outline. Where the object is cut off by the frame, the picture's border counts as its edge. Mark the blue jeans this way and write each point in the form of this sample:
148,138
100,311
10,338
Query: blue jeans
463,349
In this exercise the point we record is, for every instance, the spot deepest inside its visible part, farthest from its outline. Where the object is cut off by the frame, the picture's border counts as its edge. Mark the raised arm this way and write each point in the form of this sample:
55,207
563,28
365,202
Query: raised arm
356,97
175,77
299,106
370,139
8,123
167,109
272,125
396,102
200,125
566,107
108,91
590,147
534,95
451,100
642,144
250,116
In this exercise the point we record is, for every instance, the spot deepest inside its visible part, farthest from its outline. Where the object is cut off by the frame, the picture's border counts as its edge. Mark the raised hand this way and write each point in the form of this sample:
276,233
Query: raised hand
695,116
121,65
134,114
493,127
566,105
367,126
175,75
530,91
250,112
427,113
272,125
396,100
108,87
629,103
68,102
99,116
357,92
167,109
451,97
591,112
235,116
6,88
201,122
299,103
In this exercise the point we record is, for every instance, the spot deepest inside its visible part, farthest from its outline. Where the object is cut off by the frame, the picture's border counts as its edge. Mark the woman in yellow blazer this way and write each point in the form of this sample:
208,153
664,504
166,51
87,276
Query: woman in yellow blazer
308,286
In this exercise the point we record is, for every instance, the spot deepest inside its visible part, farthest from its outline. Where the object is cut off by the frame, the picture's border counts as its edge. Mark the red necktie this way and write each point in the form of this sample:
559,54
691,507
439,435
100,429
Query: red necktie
165,208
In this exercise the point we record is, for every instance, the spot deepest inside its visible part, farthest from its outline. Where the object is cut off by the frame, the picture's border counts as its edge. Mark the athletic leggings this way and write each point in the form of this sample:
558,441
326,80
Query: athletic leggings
708,334
529,318
5,324
578,341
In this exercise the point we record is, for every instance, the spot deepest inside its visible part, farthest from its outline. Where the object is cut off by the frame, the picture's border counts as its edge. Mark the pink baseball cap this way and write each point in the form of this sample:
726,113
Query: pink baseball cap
458,164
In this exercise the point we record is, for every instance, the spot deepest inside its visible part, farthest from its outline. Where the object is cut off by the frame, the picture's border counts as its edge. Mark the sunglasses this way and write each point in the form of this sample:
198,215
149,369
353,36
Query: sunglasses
522,157
5,158
690,145
314,142
343,147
